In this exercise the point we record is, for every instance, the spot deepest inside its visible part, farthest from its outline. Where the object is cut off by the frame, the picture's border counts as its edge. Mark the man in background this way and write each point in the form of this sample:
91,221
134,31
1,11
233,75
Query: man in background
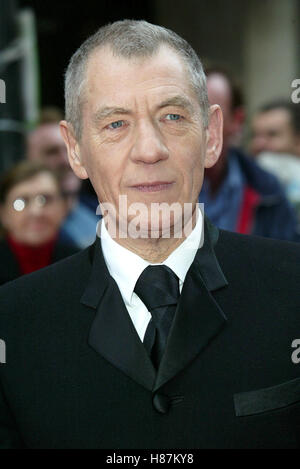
239,195
276,144
276,128
46,144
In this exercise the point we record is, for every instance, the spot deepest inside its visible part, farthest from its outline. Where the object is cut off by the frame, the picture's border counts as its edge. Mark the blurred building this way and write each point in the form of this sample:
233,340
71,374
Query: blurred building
259,40
11,107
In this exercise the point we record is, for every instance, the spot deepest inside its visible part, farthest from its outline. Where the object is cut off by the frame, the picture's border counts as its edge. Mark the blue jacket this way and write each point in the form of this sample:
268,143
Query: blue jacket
272,215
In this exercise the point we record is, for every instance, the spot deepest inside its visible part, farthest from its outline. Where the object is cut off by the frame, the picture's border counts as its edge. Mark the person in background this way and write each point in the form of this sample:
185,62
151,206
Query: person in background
31,212
50,115
87,194
276,144
238,194
45,144
276,128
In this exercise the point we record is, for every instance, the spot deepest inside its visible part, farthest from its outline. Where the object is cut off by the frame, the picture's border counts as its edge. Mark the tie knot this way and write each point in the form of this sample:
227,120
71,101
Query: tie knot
157,286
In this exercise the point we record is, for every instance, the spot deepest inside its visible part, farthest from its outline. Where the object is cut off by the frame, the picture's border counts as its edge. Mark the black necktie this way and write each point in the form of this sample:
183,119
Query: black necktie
158,289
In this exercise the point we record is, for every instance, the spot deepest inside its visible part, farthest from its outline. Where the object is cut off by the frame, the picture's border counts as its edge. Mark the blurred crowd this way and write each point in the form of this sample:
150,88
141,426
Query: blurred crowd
47,213
254,188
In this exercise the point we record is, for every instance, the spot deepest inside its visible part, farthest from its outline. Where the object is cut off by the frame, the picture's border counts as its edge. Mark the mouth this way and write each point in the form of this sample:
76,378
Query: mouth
155,186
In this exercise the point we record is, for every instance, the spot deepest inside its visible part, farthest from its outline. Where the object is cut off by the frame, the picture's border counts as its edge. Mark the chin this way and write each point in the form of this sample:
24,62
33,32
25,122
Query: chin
156,225
38,239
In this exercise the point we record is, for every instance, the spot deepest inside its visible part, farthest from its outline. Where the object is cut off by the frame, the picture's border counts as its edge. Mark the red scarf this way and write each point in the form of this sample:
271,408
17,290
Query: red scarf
31,258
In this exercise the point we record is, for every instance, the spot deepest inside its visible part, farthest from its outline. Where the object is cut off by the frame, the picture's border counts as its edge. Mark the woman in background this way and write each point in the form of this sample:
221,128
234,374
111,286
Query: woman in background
31,212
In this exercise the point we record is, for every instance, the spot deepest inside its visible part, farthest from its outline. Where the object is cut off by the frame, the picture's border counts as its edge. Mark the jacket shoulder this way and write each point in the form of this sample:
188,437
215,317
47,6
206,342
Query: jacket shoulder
65,277
260,255
62,250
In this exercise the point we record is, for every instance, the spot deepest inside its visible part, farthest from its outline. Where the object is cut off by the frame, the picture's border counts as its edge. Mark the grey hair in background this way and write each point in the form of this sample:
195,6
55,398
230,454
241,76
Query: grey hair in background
129,38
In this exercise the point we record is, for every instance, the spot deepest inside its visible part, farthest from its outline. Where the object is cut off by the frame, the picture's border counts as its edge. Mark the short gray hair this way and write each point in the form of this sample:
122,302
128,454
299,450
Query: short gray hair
129,38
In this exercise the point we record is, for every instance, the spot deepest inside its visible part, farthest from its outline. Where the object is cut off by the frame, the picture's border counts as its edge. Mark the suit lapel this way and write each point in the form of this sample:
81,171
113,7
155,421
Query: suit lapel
197,321
198,317
112,333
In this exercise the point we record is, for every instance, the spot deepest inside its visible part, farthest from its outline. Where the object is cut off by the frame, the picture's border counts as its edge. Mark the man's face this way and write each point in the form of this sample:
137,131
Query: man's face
142,134
219,92
272,131
46,144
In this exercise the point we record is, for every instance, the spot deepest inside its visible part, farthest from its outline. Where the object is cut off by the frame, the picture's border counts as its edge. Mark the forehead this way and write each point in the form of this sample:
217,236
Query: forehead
278,118
218,90
42,182
47,132
44,137
120,78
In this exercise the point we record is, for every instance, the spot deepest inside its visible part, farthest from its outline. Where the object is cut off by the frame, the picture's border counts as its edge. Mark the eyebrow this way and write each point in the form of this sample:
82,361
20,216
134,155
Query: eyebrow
108,111
178,101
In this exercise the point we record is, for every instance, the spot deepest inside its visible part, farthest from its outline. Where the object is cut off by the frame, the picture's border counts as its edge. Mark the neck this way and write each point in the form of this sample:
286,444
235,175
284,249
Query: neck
156,250
30,246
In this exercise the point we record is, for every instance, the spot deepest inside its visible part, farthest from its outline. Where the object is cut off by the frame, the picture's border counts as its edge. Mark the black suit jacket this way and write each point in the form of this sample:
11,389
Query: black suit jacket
9,267
77,375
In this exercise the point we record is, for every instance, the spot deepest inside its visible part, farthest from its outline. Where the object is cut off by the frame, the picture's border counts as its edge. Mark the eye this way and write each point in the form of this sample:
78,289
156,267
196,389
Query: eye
173,117
19,204
115,125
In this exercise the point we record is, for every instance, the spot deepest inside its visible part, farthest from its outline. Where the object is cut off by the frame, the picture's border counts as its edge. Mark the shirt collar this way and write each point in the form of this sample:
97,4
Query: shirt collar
182,257
125,266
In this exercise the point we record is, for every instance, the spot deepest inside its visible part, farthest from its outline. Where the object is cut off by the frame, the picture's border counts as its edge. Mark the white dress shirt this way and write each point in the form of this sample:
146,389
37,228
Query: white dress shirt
125,267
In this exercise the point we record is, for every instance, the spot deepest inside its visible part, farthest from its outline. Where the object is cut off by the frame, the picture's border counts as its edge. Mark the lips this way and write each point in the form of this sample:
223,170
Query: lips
155,186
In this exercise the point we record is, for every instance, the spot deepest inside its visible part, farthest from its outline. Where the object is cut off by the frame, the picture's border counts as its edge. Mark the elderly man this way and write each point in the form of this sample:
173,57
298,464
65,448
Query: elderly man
154,337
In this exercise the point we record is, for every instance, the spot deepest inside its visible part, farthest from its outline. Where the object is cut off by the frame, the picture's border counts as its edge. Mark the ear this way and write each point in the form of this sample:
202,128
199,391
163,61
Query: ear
214,136
73,148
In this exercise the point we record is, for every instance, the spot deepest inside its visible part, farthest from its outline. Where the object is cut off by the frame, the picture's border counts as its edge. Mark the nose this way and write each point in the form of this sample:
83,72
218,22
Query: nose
148,147
259,144
34,210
